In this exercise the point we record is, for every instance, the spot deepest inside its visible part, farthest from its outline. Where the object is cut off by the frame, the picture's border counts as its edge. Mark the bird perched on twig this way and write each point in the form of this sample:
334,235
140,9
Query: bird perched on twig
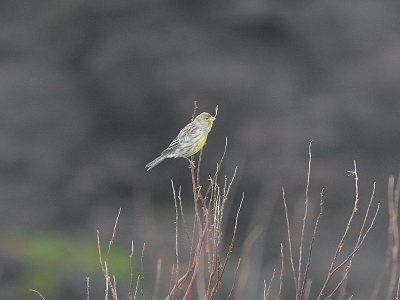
190,140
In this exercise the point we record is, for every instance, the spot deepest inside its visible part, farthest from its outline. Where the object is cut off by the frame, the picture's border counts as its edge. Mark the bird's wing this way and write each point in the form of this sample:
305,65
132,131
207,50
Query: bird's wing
184,136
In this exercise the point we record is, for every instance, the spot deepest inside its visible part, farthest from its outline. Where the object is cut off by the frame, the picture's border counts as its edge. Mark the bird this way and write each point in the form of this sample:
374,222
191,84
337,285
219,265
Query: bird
190,140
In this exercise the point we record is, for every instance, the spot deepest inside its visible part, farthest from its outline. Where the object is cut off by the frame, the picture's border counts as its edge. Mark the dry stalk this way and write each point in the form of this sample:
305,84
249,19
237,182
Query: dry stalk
307,269
289,241
391,242
142,270
87,289
346,270
207,232
299,288
394,230
37,292
176,232
103,264
137,287
266,290
281,274
333,269
301,283
131,273
234,280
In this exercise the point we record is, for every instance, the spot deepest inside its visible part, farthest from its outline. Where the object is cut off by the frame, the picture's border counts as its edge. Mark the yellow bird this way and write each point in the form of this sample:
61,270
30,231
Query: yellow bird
190,140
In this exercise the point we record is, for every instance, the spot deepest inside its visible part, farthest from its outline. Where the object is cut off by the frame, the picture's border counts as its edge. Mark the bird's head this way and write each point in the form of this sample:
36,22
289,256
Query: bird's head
205,120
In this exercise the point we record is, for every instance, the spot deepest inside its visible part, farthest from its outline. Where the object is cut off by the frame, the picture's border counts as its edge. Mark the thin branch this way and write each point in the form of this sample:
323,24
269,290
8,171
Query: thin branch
171,280
266,290
131,272
184,221
196,260
398,288
99,251
347,269
341,242
321,204
87,289
281,274
303,224
234,279
115,288
346,260
142,270
40,295
195,107
228,252
113,234
289,240
394,251
176,231
216,111
103,264
137,287
390,242
107,280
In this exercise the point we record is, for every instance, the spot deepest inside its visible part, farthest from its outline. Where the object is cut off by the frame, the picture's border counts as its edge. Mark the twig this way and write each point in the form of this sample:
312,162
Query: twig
113,234
321,203
131,272
176,232
281,274
172,279
341,242
234,279
390,241
196,259
346,260
214,289
115,288
142,270
195,107
198,172
35,291
137,287
87,289
107,280
184,222
266,290
347,269
103,264
298,288
289,240
394,251
216,111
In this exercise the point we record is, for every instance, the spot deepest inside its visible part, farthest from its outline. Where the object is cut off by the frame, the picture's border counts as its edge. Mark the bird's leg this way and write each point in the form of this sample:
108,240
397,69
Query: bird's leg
191,163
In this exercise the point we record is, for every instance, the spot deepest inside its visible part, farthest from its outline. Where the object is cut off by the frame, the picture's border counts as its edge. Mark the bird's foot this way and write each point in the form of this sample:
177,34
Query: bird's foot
191,163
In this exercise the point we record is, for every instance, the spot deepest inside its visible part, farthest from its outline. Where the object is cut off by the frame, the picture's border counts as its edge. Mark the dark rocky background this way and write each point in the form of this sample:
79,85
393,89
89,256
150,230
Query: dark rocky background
90,91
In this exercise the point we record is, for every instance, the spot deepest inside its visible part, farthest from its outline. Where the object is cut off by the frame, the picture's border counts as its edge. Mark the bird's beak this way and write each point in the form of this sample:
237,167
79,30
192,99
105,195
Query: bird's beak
213,118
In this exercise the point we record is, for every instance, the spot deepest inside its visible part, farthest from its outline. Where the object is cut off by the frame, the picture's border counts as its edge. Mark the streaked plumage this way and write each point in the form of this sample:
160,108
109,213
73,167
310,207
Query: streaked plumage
190,140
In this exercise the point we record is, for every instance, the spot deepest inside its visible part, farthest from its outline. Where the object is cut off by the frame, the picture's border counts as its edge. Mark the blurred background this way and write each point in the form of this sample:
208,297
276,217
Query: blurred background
90,91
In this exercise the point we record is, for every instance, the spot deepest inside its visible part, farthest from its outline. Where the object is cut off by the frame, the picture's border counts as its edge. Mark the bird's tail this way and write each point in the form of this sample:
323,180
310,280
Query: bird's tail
155,162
